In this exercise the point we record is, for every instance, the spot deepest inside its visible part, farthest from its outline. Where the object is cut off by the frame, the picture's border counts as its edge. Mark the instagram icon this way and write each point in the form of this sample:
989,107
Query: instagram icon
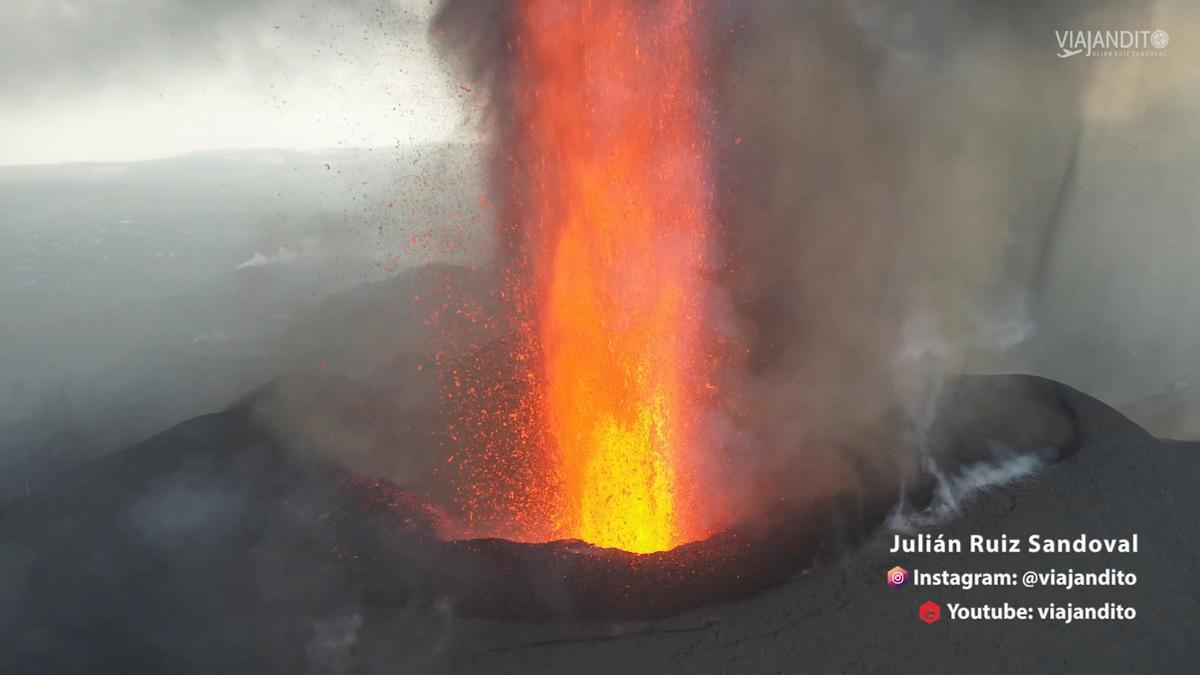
897,576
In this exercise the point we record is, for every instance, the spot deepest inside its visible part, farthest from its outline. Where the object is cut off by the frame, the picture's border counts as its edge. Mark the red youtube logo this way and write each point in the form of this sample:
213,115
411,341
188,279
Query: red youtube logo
929,611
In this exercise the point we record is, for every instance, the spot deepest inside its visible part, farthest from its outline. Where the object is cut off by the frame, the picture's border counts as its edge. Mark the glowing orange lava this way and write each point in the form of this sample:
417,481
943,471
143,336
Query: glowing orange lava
607,221
611,107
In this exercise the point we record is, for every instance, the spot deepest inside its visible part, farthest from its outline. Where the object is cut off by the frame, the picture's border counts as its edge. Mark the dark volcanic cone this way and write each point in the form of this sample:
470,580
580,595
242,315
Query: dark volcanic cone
217,543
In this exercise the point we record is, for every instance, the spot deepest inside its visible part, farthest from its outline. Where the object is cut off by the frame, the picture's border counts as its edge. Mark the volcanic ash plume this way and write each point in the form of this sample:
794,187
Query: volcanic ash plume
741,243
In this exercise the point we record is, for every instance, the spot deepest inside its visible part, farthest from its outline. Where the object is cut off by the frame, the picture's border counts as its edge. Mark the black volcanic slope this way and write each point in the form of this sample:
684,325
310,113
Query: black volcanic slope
215,547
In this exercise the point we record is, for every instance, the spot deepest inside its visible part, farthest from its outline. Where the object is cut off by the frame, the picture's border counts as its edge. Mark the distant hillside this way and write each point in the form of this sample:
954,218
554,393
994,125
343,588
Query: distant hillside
138,295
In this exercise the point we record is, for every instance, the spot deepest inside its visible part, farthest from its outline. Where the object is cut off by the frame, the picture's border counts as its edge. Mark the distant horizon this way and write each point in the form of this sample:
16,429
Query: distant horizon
186,77
247,150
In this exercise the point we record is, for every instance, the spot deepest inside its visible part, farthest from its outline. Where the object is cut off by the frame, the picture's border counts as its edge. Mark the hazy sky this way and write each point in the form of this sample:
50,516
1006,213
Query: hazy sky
116,80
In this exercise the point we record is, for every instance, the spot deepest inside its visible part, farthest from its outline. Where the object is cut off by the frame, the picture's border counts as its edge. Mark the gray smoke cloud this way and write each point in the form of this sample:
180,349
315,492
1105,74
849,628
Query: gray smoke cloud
890,181
101,41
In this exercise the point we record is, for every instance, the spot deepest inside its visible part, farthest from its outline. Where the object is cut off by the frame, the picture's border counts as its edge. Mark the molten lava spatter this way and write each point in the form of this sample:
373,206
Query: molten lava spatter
615,147
607,163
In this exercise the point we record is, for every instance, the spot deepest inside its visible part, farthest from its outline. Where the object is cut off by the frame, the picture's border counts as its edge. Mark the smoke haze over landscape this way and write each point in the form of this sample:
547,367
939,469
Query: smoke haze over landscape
903,194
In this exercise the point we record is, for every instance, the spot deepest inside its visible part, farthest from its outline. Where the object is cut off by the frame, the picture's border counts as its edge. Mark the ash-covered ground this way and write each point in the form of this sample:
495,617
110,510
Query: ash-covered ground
219,546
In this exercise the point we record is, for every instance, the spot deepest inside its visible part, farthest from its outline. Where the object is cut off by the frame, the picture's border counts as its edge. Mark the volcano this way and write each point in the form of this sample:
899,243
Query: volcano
219,546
